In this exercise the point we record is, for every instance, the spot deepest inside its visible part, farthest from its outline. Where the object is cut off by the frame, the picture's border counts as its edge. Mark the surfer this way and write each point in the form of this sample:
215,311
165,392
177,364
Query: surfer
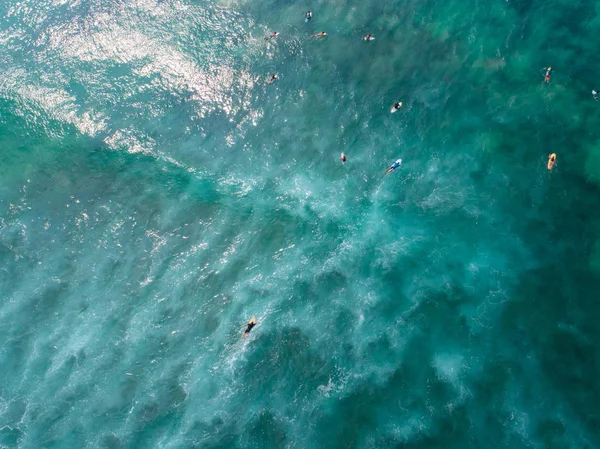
394,166
319,34
273,78
551,160
368,37
343,158
548,74
308,16
397,106
595,94
250,324
273,35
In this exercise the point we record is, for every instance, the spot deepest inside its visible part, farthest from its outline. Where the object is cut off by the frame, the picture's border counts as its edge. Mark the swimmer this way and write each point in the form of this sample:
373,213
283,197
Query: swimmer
250,324
551,160
273,78
595,94
319,34
368,37
308,16
272,36
343,158
548,74
397,106
394,166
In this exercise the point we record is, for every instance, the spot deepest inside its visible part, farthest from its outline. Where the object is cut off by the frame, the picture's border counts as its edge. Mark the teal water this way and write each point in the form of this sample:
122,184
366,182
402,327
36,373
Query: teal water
156,192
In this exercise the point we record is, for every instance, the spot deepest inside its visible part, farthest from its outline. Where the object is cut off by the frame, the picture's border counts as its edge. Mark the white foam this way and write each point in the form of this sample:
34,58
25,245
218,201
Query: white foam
55,102
450,368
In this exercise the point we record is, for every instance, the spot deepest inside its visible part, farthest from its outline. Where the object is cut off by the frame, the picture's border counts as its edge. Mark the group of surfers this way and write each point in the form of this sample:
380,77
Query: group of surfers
397,105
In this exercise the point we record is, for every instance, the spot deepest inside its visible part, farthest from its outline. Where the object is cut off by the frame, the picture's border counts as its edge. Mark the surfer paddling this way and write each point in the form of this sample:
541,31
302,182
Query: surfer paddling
595,94
273,78
368,37
343,158
394,166
272,36
319,35
551,160
548,74
249,325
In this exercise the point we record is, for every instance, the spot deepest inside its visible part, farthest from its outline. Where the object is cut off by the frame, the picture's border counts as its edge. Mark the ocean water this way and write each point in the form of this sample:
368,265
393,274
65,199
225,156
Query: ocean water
156,192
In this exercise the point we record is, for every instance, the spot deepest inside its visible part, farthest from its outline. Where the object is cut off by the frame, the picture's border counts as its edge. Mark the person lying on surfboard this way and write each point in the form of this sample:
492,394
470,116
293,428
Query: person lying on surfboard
250,324
394,166
273,78
308,16
551,160
595,94
319,34
368,37
548,75
272,36
397,106
343,158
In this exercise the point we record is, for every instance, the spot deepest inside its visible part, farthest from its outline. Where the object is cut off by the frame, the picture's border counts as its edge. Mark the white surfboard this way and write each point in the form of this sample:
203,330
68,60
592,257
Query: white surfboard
394,107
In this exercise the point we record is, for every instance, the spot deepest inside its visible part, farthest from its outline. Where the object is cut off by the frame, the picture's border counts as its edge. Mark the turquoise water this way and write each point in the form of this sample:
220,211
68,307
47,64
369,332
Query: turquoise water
156,192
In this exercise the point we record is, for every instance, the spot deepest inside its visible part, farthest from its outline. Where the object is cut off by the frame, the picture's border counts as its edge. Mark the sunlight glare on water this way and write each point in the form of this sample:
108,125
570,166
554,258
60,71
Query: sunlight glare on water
157,191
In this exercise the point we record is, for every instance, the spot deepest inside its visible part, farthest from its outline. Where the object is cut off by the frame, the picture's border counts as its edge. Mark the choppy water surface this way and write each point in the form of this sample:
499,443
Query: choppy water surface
156,192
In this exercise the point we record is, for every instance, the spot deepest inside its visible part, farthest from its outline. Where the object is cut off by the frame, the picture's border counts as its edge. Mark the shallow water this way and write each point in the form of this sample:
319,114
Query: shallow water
156,192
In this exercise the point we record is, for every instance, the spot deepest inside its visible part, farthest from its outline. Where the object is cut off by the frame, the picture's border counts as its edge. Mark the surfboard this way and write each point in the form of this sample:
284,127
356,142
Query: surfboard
391,168
368,39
